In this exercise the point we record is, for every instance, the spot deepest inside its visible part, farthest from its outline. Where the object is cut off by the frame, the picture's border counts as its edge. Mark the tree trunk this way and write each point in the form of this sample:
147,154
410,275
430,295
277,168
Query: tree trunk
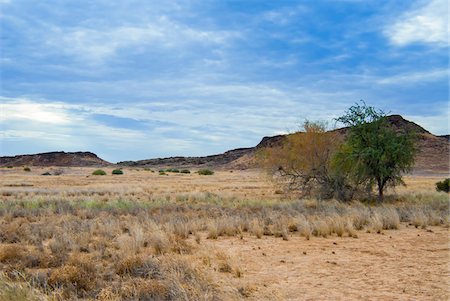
380,190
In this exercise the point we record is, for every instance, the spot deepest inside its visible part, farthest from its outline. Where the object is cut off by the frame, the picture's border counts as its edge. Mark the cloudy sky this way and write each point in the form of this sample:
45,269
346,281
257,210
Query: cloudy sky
143,79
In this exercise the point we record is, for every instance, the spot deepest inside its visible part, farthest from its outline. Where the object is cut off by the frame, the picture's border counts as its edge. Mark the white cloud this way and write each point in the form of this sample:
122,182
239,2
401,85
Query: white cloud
97,44
32,111
414,77
424,24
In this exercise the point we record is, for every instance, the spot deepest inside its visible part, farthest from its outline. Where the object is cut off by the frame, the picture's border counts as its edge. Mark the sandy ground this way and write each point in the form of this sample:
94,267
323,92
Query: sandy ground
405,264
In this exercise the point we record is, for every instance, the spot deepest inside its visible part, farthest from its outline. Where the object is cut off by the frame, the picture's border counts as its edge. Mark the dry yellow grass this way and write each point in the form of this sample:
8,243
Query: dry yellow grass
230,235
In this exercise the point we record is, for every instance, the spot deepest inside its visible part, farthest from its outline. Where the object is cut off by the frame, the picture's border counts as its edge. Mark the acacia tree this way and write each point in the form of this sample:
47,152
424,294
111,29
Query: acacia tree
374,153
303,162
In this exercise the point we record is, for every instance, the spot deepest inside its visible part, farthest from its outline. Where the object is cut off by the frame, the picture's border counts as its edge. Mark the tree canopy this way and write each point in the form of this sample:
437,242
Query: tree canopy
374,153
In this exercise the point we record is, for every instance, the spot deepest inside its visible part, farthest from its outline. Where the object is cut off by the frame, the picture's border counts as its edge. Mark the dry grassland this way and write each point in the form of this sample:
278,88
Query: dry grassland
229,236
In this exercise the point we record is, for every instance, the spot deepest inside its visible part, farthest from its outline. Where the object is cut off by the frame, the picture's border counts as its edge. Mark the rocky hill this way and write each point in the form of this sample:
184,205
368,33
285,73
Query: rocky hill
433,155
54,159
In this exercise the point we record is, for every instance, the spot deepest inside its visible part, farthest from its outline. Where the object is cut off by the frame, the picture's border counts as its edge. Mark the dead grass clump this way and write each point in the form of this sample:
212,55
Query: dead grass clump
160,242
185,282
376,223
337,224
360,216
390,217
320,228
280,228
304,227
180,228
228,226
179,245
256,228
418,219
18,291
142,289
213,232
138,266
11,253
72,279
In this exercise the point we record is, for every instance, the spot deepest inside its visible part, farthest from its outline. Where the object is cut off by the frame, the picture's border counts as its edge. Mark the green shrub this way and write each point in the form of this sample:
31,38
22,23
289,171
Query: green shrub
26,169
162,173
185,171
205,172
46,174
443,185
117,172
172,170
99,172
9,167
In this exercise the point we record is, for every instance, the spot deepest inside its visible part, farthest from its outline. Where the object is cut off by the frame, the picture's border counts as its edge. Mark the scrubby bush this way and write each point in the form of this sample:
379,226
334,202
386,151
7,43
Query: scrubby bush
205,172
99,172
443,185
185,171
46,174
172,170
162,173
26,169
117,172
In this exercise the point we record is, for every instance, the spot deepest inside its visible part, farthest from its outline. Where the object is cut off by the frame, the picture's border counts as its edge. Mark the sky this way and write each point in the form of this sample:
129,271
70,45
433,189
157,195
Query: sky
134,80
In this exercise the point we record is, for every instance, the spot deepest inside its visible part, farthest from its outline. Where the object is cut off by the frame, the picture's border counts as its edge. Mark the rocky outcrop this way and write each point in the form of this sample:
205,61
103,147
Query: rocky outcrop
54,159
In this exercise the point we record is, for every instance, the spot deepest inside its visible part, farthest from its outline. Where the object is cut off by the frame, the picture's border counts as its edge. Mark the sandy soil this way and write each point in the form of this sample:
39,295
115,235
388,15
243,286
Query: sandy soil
405,264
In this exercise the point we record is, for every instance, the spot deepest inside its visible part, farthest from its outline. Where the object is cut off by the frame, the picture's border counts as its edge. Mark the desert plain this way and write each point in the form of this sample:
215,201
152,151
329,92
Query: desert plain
233,235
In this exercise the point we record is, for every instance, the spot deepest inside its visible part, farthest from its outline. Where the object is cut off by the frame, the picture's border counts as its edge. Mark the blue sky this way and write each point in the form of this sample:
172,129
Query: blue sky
141,79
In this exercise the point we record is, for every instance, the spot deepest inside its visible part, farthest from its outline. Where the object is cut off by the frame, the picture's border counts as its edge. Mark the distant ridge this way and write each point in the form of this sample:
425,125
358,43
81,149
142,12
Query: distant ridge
54,159
433,155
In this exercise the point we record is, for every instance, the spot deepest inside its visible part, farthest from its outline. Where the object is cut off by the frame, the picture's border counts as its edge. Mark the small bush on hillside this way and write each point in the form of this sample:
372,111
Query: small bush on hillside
26,169
99,172
205,172
172,170
185,171
117,172
9,167
162,173
46,174
443,185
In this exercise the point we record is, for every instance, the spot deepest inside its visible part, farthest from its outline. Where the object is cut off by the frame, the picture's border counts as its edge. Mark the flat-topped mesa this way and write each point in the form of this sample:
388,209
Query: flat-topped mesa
69,159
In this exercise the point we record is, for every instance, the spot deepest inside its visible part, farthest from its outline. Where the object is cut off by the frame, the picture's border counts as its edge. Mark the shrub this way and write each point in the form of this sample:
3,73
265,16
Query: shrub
443,185
205,172
26,169
9,167
185,171
117,172
46,174
99,172
162,173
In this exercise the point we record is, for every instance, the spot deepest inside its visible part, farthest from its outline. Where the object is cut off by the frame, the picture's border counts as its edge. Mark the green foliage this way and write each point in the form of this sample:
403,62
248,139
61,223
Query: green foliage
99,172
185,171
205,172
26,169
374,153
162,173
9,166
443,185
117,172
172,170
